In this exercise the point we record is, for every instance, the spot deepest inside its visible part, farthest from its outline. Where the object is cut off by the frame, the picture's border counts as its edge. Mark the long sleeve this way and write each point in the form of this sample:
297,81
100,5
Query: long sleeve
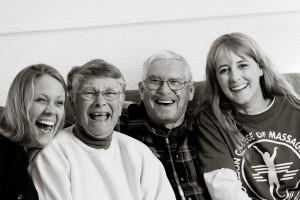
154,181
50,174
223,184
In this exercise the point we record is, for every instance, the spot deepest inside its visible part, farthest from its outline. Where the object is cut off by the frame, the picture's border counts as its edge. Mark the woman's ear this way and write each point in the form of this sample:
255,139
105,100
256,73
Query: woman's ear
261,71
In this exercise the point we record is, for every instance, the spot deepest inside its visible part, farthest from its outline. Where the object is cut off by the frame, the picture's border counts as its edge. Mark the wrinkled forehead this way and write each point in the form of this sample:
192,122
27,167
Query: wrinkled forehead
100,82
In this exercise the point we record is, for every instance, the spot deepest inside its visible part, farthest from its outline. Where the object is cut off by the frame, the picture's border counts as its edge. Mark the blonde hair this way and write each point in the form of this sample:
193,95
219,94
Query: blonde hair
272,83
15,123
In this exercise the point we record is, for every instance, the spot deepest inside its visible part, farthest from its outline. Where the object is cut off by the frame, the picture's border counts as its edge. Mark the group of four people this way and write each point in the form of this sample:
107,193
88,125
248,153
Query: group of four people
242,143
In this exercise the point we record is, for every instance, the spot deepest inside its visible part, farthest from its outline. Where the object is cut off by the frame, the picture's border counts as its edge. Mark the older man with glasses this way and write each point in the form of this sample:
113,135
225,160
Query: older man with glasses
161,121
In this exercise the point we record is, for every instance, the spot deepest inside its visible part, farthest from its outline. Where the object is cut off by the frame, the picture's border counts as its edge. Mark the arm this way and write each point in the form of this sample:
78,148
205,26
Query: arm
154,181
223,184
216,152
50,173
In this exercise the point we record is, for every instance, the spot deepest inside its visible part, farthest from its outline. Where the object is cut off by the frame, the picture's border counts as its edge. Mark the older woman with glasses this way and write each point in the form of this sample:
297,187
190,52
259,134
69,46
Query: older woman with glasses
90,160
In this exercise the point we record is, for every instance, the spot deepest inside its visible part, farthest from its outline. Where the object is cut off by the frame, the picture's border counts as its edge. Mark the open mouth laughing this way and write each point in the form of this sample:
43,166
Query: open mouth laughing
45,125
165,102
99,116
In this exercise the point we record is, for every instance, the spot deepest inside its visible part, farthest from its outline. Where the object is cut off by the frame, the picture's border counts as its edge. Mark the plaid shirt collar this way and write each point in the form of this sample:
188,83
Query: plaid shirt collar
138,116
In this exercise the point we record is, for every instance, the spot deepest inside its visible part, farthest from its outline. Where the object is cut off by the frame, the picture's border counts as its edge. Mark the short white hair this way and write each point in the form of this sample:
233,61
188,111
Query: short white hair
165,55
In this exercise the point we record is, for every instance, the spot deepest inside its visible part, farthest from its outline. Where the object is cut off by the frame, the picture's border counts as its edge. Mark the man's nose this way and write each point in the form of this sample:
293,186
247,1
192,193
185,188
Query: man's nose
164,88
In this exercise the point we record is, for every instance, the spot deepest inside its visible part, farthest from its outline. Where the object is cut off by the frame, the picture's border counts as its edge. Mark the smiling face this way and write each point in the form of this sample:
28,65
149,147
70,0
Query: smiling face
164,106
98,116
238,77
46,109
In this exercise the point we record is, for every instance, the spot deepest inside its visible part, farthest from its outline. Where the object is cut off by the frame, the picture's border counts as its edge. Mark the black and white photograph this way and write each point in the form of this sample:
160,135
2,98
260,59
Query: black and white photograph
150,100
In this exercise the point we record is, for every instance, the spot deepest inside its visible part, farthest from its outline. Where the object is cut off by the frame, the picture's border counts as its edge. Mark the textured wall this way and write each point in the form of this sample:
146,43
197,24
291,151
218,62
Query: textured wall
127,46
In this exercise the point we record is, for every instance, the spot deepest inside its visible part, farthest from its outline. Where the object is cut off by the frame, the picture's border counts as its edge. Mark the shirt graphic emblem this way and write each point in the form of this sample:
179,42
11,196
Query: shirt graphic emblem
271,174
272,171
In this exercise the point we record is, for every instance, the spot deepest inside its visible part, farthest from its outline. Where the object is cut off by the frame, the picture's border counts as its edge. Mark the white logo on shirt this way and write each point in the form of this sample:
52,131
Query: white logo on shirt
272,170
274,166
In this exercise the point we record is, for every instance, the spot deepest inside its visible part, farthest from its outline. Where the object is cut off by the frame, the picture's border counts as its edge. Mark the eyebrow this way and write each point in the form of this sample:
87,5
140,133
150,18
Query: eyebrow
240,61
154,76
45,95
243,60
93,88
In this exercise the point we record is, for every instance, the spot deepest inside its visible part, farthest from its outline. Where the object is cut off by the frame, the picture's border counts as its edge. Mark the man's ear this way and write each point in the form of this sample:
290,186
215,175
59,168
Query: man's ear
192,90
141,90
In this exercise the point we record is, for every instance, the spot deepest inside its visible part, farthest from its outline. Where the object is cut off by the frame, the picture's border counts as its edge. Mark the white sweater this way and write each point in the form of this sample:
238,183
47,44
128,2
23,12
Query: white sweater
69,169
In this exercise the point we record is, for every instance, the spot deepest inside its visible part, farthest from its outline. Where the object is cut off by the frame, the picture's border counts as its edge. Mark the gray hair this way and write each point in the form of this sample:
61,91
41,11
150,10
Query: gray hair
165,55
94,68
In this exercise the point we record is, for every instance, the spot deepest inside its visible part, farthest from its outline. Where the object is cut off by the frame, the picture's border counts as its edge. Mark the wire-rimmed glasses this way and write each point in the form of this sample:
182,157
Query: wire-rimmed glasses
154,83
91,93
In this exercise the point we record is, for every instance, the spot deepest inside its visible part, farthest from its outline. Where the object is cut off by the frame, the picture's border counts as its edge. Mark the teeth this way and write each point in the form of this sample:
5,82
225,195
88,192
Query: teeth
45,125
99,114
165,101
239,87
102,115
46,122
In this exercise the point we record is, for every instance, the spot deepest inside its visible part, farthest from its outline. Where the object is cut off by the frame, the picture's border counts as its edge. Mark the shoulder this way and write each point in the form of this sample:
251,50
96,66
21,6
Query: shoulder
56,152
59,143
136,111
284,104
130,144
126,140
9,154
205,114
4,143
62,135
7,147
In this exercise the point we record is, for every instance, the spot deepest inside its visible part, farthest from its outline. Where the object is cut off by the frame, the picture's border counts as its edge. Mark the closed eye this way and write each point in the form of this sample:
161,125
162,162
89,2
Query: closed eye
110,92
175,82
61,103
89,92
154,80
41,100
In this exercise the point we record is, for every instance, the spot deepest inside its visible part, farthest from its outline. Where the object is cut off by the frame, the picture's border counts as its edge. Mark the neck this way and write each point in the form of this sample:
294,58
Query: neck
170,125
98,143
257,108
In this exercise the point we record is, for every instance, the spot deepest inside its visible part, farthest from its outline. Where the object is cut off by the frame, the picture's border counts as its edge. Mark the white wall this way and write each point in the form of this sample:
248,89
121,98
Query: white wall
68,33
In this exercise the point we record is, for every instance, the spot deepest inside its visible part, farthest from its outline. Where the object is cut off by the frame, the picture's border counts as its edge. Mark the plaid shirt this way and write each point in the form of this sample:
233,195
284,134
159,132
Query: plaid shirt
183,147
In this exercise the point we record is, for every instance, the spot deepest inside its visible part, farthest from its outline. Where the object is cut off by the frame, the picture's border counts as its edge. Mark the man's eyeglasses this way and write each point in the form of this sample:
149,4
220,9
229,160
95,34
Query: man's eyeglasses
89,94
154,83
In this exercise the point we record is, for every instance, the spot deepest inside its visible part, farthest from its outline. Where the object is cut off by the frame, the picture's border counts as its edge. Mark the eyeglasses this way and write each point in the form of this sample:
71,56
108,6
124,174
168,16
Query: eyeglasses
154,83
89,94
